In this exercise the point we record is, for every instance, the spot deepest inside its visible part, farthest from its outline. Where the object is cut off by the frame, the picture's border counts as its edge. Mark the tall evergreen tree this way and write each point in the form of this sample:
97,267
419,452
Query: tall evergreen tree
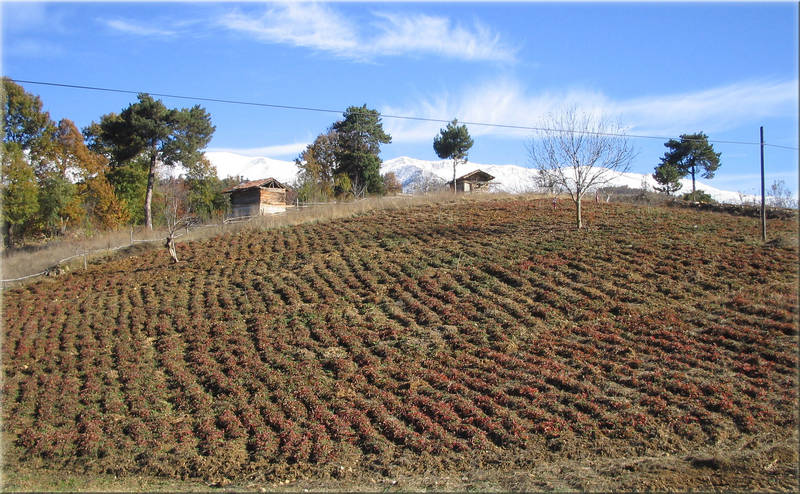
129,181
59,204
148,128
203,189
690,155
360,137
668,177
20,193
453,142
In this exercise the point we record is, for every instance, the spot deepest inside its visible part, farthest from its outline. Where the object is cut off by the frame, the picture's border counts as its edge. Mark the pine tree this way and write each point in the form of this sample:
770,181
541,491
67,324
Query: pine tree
668,176
359,145
690,155
148,128
453,142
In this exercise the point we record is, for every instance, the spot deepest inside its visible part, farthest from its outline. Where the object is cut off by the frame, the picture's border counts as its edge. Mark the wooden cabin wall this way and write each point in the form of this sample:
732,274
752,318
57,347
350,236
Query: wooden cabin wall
273,196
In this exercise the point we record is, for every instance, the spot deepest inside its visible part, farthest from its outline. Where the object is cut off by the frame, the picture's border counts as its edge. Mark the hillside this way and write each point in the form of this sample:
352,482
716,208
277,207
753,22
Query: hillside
412,172
487,342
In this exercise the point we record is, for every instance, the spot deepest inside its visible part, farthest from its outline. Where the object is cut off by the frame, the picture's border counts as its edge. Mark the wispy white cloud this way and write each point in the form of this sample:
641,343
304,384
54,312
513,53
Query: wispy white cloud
320,27
282,150
506,101
719,109
421,33
129,27
313,26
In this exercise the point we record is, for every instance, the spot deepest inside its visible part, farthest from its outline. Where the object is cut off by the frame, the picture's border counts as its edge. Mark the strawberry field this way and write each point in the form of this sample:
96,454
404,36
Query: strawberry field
433,338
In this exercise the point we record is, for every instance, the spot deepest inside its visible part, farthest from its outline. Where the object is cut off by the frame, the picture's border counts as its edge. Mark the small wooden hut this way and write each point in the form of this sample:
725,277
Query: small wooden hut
476,181
257,197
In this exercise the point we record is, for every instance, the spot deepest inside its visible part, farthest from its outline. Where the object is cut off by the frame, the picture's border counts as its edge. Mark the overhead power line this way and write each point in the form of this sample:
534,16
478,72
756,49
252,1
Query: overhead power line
384,115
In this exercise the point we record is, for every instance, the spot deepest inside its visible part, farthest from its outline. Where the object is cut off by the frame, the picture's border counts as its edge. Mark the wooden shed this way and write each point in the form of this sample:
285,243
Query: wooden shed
256,197
476,181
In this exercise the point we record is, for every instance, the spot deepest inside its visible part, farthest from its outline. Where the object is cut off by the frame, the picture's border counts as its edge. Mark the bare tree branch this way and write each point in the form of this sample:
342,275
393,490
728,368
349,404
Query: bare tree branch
580,156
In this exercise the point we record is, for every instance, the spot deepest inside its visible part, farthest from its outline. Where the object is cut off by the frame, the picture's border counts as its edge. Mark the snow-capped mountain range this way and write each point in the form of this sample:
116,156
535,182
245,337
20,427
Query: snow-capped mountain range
414,173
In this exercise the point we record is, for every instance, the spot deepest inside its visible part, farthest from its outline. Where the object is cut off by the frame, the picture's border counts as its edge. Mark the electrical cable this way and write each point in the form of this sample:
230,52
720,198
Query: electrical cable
384,115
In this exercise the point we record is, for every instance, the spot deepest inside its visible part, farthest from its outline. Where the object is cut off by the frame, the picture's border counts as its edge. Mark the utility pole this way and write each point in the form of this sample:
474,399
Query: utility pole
763,203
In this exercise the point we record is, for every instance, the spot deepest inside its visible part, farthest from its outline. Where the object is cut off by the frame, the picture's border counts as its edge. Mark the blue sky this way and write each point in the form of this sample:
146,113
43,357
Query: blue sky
658,69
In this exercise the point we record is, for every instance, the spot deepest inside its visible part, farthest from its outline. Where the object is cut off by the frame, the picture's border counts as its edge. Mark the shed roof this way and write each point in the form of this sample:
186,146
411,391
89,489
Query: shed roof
266,183
477,175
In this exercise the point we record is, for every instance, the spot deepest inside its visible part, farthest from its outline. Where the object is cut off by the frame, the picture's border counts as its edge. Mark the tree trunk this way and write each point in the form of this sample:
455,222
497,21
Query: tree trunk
148,197
170,245
693,194
578,213
455,162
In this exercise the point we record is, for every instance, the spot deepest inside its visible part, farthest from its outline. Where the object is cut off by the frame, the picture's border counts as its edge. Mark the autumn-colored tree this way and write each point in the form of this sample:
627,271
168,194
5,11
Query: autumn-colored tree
317,164
92,196
68,177
73,153
392,184
102,205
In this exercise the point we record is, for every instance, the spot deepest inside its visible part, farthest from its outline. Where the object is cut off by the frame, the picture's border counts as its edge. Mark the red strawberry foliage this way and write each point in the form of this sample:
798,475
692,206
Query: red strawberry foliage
446,332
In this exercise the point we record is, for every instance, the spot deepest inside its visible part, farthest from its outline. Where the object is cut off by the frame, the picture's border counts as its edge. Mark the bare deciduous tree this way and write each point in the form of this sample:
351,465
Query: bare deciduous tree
427,184
780,196
357,187
175,217
578,153
173,227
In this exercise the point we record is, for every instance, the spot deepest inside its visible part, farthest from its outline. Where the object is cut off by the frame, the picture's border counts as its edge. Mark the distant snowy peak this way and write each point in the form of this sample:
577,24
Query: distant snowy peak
508,178
516,179
415,174
252,167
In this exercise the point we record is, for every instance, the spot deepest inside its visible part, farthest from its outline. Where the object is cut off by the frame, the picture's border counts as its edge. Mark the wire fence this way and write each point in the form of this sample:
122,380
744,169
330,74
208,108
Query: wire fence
85,253
56,267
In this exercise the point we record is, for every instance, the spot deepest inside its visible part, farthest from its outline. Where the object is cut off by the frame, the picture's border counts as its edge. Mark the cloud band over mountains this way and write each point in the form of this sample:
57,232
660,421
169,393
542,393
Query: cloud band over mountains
506,101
